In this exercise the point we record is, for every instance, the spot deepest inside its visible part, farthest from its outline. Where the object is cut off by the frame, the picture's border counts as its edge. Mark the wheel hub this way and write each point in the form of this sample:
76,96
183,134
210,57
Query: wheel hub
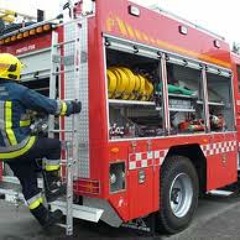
181,195
175,195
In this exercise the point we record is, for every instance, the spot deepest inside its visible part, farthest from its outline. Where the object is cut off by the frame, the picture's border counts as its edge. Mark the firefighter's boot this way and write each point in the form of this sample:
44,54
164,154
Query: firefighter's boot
54,187
46,218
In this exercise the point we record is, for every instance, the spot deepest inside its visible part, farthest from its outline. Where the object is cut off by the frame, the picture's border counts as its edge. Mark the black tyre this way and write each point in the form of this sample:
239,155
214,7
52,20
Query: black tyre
178,194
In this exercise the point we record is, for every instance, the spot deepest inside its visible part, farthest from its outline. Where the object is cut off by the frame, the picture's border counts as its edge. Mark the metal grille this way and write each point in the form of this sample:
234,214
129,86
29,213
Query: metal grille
81,86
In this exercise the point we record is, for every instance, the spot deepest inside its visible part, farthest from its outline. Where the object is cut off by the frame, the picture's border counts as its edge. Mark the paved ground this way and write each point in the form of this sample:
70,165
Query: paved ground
216,218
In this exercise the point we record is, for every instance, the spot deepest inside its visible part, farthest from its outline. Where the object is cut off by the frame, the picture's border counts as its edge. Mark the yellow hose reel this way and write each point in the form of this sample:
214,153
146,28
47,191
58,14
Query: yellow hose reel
148,88
140,91
130,83
112,83
121,82
124,84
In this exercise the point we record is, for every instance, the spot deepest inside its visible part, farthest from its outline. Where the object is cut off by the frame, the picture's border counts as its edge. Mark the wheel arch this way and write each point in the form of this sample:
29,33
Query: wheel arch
197,158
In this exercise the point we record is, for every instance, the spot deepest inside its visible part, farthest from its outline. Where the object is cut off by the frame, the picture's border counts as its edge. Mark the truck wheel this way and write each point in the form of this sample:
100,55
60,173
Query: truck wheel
178,194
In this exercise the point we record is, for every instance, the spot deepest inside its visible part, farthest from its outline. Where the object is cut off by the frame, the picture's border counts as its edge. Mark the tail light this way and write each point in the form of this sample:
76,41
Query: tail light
87,186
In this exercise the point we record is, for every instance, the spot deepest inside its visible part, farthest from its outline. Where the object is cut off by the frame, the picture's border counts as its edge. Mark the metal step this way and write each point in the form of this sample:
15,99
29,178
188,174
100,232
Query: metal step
79,211
14,180
220,193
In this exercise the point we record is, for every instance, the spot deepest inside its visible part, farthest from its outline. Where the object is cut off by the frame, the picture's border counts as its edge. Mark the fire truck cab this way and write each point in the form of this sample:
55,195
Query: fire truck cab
159,124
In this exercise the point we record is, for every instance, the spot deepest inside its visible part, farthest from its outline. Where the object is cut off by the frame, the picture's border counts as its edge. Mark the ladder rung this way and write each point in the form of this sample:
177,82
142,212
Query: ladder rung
61,130
64,43
61,225
63,162
69,99
65,71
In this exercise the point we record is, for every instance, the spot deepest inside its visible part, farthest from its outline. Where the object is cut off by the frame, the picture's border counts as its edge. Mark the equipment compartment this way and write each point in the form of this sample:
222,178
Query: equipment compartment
184,89
132,81
199,96
220,102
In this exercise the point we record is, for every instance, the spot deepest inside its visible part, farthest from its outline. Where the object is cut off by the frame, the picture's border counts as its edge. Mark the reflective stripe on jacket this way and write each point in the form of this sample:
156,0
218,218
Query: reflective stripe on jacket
15,103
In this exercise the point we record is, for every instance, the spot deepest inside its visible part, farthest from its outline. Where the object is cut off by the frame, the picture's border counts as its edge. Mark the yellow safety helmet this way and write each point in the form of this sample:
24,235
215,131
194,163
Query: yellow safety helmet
10,67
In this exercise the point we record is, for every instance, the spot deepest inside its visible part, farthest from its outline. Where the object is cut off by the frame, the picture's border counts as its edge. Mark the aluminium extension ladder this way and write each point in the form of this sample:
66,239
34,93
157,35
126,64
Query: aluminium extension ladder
66,60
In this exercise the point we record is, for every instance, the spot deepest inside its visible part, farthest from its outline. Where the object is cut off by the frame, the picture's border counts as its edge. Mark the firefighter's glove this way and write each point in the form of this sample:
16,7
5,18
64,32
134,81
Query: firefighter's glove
74,107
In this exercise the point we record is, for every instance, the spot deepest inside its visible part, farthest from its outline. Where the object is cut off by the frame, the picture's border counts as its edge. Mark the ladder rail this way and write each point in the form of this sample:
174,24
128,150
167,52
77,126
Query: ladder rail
73,160
69,196
52,80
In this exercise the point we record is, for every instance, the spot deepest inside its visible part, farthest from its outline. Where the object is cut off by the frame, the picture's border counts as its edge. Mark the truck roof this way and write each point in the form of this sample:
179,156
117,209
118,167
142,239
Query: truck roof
185,21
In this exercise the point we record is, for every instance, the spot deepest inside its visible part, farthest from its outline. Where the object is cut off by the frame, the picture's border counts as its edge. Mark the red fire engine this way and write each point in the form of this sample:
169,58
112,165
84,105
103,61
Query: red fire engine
161,103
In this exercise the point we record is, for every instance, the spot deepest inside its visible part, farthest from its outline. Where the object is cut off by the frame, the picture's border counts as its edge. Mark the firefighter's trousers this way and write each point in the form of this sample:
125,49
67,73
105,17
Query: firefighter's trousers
26,169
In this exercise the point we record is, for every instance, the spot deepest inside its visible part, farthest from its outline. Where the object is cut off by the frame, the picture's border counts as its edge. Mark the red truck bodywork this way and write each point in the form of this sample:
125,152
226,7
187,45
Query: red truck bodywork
219,149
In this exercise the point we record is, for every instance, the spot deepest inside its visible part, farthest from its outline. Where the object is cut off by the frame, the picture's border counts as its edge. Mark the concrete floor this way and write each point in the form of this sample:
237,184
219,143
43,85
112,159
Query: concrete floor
216,218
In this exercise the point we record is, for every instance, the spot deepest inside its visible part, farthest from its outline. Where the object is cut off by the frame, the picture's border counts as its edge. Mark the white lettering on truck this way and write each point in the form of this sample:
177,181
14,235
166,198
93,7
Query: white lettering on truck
25,49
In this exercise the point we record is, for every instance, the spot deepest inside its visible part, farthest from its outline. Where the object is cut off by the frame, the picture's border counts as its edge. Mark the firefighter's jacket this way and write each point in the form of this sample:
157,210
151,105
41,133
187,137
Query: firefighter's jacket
15,102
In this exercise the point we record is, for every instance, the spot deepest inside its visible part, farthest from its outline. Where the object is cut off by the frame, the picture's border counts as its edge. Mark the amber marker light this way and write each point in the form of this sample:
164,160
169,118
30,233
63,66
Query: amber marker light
32,32
13,38
46,27
205,140
39,30
115,150
20,36
26,34
7,40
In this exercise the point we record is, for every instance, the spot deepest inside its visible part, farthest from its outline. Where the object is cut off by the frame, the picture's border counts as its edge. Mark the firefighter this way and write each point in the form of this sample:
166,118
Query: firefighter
19,148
